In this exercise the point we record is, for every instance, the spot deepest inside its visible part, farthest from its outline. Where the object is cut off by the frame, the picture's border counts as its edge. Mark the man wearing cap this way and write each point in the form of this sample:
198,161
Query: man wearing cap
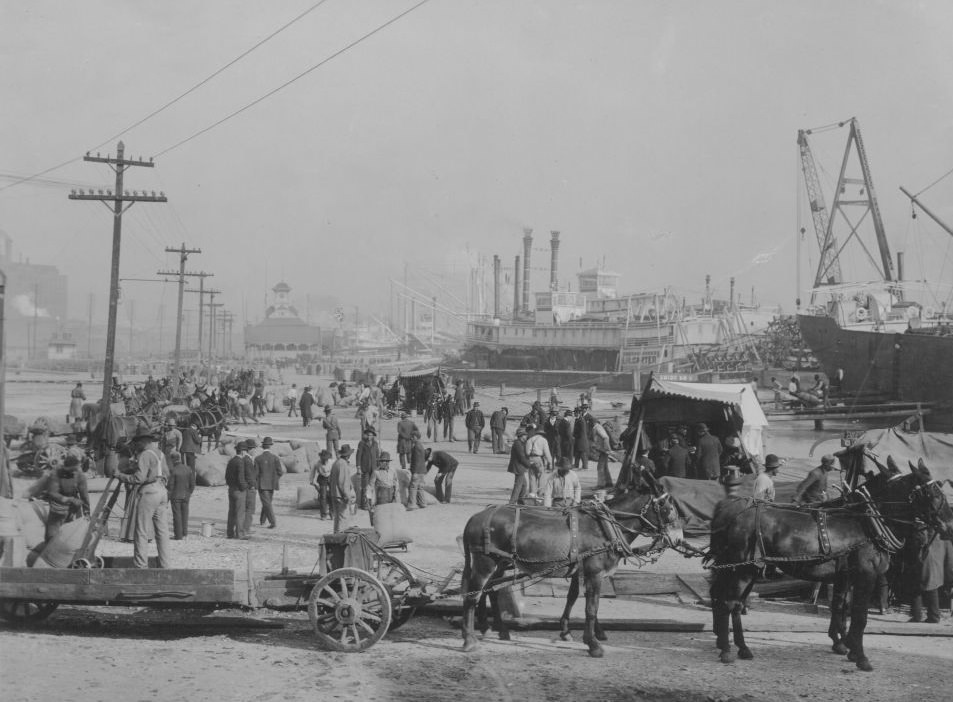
708,456
366,461
332,430
67,494
418,471
306,403
343,498
600,442
406,428
269,470
764,483
448,415
149,479
320,479
446,467
181,486
384,481
293,400
813,488
540,459
520,467
251,480
551,432
563,490
474,422
237,486
498,428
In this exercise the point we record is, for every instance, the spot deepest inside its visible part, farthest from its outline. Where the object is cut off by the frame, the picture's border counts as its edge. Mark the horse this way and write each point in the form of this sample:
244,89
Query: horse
847,542
210,421
583,542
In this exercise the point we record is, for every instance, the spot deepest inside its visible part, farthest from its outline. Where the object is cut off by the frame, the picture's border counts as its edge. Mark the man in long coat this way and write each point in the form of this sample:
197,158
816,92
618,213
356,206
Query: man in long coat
306,403
342,488
366,461
269,471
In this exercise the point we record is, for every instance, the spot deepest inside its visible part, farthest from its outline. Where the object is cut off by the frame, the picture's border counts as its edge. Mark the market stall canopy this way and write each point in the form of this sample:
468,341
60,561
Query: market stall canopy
726,408
934,448
422,373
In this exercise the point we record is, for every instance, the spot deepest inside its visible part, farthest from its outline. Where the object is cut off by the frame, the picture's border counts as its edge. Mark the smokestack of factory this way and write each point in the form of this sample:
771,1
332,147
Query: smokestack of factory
527,247
554,261
516,288
496,286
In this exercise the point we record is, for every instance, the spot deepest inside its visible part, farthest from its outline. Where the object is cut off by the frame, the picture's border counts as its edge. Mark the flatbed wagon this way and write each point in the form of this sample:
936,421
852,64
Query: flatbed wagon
357,592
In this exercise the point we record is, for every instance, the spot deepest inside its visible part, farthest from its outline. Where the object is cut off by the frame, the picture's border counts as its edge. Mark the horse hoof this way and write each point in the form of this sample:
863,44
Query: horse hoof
727,657
469,644
601,636
566,637
864,665
596,652
851,656
839,648
504,636
745,654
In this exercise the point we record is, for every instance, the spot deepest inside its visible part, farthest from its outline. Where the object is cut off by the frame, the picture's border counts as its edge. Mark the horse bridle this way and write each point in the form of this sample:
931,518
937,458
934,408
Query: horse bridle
927,493
656,504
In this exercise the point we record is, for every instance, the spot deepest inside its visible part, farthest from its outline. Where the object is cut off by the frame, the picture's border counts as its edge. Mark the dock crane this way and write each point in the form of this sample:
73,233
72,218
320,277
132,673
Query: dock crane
828,269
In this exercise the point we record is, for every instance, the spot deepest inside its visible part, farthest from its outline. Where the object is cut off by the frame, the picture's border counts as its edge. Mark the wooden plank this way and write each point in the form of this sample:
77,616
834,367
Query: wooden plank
629,584
696,583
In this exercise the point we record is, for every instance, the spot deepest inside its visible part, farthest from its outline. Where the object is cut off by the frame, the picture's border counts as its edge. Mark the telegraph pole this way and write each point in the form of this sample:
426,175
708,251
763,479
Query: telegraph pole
183,257
119,166
201,291
211,325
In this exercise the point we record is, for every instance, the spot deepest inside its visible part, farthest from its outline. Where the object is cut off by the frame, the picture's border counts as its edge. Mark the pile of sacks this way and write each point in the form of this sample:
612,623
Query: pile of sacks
295,456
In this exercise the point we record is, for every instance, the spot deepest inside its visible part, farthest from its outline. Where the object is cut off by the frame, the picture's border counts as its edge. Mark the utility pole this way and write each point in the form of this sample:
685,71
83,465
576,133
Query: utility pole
202,275
89,333
183,257
119,166
228,319
211,325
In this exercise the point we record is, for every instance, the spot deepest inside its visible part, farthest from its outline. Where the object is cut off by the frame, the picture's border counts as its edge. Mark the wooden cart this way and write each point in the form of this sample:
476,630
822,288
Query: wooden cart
357,593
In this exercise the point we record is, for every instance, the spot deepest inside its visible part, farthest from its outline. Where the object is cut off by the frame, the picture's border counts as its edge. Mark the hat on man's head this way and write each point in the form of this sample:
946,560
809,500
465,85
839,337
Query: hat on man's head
521,432
476,403
241,446
384,457
370,430
170,421
701,427
267,442
771,461
327,409
732,479
250,444
827,460
505,408
71,460
325,454
345,451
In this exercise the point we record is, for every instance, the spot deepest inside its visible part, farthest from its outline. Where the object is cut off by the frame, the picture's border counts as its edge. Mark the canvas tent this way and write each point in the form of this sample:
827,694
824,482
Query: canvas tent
875,445
412,390
726,408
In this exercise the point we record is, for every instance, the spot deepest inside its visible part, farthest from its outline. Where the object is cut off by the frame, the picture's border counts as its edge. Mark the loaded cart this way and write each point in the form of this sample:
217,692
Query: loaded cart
356,592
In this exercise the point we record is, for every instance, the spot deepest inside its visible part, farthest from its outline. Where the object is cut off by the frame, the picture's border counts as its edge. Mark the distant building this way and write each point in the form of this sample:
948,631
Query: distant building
61,347
282,334
35,303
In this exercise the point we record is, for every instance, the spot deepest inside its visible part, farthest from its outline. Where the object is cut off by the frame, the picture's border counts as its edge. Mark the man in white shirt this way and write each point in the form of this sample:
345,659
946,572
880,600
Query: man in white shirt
293,400
764,483
540,458
563,490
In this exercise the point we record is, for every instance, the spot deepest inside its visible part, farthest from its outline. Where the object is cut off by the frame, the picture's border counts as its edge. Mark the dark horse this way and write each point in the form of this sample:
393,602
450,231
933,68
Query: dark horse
210,420
847,542
585,542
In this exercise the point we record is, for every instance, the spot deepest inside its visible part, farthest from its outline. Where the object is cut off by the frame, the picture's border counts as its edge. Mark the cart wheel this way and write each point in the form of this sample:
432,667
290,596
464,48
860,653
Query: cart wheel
398,580
22,612
349,609
50,457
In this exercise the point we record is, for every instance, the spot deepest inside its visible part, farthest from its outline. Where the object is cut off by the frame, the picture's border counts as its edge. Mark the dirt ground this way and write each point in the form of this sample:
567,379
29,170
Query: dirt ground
116,654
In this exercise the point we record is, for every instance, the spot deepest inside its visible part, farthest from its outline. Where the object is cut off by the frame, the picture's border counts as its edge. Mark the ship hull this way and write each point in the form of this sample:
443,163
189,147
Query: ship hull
907,367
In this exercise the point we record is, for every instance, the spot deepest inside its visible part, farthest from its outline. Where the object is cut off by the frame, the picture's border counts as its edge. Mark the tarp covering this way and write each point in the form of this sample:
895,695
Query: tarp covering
935,449
695,500
727,408
421,373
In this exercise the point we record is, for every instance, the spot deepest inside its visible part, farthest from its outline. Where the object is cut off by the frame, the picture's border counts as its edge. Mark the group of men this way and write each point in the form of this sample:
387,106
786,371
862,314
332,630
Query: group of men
249,478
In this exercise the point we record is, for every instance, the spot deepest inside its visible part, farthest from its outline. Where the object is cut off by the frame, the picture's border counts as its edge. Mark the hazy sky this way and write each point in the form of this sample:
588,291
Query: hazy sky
659,135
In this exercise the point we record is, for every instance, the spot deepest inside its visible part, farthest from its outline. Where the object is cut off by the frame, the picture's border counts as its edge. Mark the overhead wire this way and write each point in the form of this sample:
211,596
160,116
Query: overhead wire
296,78
169,104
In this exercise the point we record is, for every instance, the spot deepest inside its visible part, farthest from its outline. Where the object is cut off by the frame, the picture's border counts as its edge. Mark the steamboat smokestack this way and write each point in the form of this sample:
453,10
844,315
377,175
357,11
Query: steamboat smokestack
731,293
516,288
554,261
527,247
496,286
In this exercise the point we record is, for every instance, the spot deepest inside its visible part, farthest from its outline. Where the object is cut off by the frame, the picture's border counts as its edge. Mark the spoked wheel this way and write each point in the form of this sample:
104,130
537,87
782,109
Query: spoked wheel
350,610
50,457
23,612
396,577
